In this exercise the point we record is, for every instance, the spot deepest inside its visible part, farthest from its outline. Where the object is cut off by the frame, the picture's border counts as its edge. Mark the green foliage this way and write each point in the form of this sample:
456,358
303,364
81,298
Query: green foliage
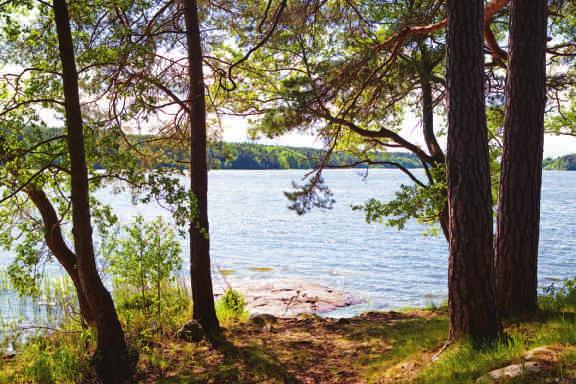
421,202
223,155
60,358
144,258
231,307
313,194
559,299
25,269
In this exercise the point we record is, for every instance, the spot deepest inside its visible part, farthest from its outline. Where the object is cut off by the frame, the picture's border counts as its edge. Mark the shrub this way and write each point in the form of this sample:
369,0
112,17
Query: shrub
231,307
51,359
143,260
559,299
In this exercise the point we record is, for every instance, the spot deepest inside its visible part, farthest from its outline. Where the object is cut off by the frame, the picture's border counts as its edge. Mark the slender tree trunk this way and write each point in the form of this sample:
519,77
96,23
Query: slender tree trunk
471,284
445,222
428,117
518,225
202,293
436,153
111,356
59,248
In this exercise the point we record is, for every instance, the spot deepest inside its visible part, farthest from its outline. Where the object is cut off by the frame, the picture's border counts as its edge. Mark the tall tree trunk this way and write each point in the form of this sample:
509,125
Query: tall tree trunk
471,284
111,357
202,293
518,226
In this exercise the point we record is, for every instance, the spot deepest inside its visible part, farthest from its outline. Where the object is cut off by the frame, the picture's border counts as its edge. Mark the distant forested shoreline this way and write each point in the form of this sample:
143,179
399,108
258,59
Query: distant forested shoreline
259,156
224,155
562,163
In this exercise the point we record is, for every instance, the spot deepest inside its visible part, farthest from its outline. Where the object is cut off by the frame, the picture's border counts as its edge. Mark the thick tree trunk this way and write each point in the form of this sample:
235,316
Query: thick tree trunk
471,282
518,225
111,356
202,292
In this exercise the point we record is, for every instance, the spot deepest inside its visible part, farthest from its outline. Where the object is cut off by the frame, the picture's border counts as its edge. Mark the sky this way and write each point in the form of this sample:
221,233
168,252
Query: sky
235,130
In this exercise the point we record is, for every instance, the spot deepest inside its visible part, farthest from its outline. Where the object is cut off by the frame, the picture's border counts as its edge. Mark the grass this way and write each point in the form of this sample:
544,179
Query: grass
376,347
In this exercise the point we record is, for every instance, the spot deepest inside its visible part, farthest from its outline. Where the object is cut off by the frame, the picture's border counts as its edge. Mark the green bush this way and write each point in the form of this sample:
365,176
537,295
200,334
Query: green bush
559,299
51,359
143,259
231,307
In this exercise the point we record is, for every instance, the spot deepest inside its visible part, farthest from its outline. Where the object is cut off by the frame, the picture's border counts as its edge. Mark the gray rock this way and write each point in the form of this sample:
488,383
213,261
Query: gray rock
547,354
511,372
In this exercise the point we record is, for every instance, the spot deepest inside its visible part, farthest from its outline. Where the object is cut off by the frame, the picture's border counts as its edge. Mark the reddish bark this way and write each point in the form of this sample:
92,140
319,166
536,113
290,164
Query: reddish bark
111,357
521,169
202,291
471,304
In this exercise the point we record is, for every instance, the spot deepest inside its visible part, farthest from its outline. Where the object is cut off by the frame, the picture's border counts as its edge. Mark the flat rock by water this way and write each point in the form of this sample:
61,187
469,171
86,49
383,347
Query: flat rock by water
289,297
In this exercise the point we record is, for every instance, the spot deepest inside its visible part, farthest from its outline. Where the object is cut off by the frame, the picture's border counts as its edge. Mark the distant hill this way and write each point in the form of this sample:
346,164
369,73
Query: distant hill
563,163
258,156
223,155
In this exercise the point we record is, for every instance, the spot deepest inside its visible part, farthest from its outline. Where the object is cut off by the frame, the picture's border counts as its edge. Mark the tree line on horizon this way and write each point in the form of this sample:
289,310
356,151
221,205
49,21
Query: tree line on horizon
347,72
561,163
223,155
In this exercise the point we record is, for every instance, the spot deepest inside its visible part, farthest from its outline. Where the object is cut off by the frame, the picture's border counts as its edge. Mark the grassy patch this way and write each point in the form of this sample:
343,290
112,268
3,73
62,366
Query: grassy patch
376,347
464,364
58,358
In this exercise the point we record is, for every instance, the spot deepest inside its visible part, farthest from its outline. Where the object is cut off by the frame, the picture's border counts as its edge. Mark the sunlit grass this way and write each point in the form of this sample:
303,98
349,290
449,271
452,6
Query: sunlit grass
377,347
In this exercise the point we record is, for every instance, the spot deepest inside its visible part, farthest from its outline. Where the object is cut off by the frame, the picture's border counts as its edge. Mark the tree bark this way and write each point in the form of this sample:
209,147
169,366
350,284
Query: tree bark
57,245
471,284
111,357
436,154
518,226
202,292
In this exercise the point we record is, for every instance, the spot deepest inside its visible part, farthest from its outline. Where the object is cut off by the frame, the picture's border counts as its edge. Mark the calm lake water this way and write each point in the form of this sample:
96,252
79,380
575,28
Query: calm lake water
251,227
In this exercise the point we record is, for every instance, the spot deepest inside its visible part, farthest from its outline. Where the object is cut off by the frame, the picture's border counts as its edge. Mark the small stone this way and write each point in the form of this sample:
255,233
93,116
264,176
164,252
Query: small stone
511,371
542,354
9,355
263,318
304,316
191,331
264,321
343,321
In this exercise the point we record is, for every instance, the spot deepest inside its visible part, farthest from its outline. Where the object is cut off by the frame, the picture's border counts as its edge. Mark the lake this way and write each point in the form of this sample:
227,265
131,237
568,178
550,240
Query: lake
252,228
